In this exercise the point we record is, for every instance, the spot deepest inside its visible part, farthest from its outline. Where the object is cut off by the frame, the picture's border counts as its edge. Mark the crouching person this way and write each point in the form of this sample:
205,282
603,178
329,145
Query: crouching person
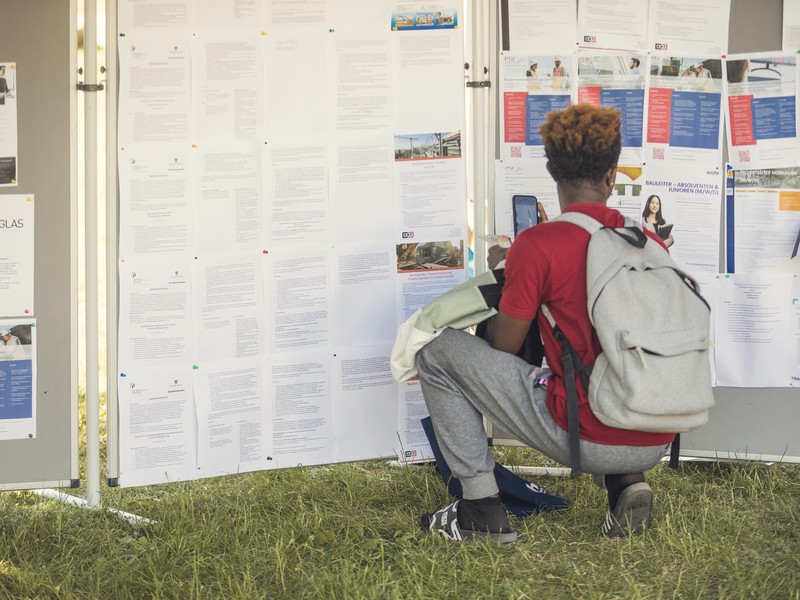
465,378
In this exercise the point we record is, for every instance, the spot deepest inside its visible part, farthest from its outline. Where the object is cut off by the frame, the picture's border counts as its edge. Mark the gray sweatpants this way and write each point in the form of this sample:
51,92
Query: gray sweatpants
463,379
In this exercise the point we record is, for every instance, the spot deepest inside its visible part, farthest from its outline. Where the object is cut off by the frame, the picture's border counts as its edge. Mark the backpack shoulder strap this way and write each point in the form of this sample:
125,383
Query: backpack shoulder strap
572,366
581,220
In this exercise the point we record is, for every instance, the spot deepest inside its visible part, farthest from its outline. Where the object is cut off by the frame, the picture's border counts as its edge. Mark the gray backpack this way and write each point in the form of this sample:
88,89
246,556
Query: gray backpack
653,373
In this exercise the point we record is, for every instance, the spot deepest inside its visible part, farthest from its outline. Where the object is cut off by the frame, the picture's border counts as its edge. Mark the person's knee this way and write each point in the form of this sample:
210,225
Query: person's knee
424,359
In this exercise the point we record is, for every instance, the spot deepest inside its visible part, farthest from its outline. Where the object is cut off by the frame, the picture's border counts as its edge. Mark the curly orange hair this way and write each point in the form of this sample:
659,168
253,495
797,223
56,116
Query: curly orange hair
581,142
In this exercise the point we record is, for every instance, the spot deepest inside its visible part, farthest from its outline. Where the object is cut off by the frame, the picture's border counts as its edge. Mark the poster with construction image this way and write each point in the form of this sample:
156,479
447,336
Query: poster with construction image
684,110
530,87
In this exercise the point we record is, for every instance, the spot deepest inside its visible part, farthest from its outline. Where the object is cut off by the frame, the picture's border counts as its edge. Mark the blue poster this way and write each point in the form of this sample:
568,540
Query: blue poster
695,119
16,389
536,108
773,118
630,103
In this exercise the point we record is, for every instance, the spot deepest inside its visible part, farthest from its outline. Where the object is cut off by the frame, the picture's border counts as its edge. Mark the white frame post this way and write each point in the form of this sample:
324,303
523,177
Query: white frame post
90,201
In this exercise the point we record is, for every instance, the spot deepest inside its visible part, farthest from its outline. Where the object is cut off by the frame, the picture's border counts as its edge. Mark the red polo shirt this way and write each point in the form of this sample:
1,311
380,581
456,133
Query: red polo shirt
546,264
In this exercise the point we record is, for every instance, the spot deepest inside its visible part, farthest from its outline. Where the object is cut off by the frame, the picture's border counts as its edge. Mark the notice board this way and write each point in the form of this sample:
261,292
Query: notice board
38,48
746,423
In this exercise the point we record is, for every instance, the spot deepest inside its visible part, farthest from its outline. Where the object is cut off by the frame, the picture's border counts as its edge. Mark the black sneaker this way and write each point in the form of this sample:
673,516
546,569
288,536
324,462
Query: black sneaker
632,512
445,523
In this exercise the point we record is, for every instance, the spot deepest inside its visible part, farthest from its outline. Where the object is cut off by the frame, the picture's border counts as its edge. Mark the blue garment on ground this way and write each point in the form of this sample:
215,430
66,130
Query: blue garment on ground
520,497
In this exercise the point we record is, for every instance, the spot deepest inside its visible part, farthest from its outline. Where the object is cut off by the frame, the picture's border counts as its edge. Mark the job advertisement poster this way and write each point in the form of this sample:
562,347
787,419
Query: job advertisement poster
762,218
684,110
617,81
761,111
17,379
532,86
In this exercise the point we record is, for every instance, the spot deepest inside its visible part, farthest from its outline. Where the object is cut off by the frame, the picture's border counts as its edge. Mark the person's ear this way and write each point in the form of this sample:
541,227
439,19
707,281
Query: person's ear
611,176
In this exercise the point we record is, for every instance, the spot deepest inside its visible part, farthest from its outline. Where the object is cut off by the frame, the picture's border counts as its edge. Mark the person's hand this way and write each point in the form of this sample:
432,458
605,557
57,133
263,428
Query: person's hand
543,218
669,241
495,255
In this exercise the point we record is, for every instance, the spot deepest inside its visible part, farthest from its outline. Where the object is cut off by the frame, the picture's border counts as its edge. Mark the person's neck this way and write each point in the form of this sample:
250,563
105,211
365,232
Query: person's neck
570,194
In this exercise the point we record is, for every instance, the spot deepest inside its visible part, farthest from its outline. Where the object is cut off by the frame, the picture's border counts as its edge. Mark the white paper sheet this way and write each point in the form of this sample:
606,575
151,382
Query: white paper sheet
364,14
296,86
294,14
295,175
414,445
157,426
364,395
360,83
521,177
300,416
542,25
18,405
228,14
791,26
361,188
155,103
138,16
428,65
231,408
685,28
613,24
761,111
228,202
155,198
155,316
229,300
757,330
16,255
363,289
226,85
297,295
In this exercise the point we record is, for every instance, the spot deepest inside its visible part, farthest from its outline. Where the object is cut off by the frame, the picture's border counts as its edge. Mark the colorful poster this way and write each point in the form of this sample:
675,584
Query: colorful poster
531,87
762,218
617,81
761,112
684,110
17,379
683,206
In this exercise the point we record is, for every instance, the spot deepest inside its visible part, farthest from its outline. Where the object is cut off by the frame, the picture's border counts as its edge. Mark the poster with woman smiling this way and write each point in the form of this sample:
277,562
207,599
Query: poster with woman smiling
683,208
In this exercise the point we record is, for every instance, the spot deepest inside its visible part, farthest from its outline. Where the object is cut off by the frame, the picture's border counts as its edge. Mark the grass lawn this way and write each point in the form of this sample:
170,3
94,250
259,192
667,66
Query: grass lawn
350,531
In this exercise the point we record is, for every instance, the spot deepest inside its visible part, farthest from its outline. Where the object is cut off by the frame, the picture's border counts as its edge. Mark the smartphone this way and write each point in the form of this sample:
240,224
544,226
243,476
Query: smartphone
526,212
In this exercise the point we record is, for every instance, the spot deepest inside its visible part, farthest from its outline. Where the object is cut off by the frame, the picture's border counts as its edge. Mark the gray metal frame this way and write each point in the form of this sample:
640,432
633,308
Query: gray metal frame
40,36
